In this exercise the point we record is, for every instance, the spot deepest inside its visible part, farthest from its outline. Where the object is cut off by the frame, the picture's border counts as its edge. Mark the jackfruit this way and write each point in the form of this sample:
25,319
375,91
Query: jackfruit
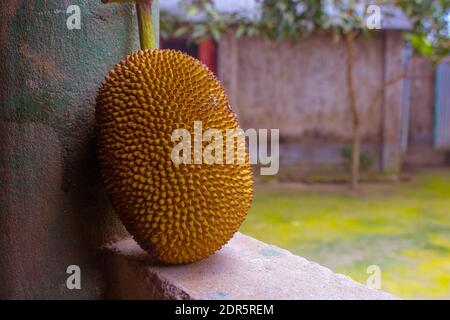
179,213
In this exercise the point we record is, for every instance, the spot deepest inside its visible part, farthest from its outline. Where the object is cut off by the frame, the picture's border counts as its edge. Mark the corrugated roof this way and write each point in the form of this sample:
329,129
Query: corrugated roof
393,18
247,8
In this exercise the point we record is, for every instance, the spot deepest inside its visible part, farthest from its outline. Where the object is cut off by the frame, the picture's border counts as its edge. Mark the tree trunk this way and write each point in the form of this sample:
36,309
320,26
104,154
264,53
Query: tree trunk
356,140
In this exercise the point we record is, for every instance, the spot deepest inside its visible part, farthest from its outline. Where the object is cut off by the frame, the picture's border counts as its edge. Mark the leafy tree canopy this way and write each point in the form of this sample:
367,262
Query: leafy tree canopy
296,19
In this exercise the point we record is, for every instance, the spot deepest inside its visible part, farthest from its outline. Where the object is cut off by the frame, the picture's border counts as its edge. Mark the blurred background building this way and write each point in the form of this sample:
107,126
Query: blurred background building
301,89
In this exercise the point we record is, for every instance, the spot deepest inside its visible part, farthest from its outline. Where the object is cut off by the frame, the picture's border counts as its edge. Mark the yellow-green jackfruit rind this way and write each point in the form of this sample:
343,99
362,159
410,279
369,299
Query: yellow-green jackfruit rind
178,213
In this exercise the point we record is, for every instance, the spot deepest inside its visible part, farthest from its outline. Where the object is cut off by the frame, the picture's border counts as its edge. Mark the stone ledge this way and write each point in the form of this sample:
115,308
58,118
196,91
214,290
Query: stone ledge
245,268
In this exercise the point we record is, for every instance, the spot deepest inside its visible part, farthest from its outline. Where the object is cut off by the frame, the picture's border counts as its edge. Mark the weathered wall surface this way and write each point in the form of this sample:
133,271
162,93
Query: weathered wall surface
244,268
421,124
421,128
301,89
392,97
53,211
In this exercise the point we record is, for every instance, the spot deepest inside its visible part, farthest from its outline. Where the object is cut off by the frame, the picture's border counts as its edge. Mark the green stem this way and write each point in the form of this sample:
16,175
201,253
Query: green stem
146,22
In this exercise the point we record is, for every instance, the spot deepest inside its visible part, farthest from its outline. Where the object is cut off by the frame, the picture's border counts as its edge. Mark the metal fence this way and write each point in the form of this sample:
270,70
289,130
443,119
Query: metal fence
442,114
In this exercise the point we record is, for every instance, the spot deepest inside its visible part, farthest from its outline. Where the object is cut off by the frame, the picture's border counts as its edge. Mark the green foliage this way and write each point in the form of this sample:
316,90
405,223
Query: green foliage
366,158
296,19
287,19
202,21
291,19
431,26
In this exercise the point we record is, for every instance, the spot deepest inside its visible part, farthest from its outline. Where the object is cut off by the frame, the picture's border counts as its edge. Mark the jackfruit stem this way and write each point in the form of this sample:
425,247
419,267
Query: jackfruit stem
148,21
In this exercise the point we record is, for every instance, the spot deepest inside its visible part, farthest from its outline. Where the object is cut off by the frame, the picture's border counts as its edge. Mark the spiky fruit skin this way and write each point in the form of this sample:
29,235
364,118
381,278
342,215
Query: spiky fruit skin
178,213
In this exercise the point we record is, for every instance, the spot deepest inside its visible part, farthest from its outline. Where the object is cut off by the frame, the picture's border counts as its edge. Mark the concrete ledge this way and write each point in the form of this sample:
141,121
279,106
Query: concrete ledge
243,269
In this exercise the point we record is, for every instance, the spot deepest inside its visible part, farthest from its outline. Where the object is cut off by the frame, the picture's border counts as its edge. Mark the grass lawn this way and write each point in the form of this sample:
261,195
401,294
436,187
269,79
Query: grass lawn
403,228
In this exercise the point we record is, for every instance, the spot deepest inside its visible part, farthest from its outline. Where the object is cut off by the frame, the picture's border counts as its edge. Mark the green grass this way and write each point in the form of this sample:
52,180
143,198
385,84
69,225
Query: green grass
403,228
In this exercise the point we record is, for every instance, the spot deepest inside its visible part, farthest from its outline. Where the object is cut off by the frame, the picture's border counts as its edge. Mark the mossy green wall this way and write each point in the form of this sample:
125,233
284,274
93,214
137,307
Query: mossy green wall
53,210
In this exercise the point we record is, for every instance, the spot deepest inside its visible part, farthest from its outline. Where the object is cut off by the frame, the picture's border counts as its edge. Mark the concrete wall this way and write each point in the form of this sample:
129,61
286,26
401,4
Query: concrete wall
53,210
421,149
243,269
421,124
301,89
